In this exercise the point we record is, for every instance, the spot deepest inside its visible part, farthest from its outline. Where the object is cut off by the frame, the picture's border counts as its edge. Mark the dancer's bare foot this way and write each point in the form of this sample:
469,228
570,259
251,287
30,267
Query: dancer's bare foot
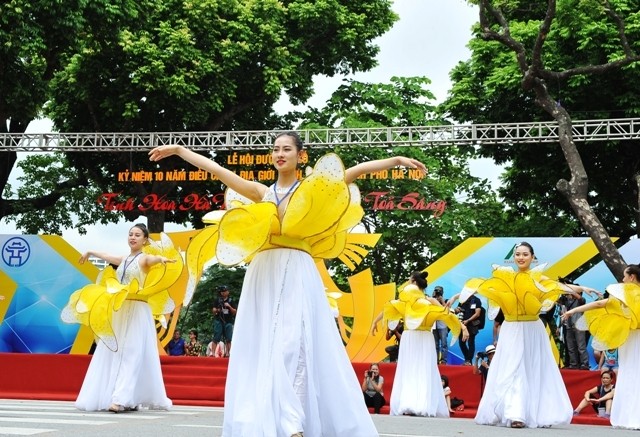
517,424
115,408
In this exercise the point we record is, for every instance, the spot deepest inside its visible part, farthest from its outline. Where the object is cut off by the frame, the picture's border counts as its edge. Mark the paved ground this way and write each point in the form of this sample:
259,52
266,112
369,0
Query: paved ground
45,418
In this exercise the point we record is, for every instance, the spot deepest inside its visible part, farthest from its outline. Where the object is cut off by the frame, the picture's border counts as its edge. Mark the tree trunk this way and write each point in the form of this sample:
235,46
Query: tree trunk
577,188
155,221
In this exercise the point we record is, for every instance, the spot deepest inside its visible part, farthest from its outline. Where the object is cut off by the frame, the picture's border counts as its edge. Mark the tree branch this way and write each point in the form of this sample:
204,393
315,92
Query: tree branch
536,54
505,37
621,29
589,69
17,206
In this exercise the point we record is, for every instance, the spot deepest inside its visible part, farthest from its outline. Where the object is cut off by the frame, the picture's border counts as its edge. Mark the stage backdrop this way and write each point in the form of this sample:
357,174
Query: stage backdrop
38,273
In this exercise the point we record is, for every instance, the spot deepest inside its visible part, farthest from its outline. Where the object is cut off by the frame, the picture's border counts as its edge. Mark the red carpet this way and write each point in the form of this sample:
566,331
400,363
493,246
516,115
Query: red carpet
200,381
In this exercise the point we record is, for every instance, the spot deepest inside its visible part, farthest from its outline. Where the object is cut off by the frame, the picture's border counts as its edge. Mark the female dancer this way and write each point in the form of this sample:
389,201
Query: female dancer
417,386
524,386
286,345
614,323
125,372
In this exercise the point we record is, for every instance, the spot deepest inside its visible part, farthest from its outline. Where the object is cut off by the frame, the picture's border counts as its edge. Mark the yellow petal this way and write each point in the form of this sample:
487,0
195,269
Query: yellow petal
244,230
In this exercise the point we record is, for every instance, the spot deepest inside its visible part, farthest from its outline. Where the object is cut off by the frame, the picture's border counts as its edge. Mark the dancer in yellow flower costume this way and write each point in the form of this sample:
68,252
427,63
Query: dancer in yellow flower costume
615,323
417,386
124,372
524,386
288,371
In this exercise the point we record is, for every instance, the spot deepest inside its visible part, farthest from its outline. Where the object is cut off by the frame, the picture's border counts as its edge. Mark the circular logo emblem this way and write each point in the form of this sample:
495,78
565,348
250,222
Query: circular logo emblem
16,252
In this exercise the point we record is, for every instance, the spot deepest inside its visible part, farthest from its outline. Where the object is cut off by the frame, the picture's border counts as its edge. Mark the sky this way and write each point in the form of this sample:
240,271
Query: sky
429,39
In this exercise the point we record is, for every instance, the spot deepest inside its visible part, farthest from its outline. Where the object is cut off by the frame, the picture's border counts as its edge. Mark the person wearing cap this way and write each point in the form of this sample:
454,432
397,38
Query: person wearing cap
224,315
482,362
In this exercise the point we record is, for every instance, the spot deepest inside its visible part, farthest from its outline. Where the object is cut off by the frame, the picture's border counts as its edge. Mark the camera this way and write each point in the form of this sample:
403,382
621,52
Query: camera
369,373
481,355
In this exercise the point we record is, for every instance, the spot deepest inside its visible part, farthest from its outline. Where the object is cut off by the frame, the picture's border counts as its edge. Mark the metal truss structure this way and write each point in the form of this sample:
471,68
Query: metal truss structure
423,136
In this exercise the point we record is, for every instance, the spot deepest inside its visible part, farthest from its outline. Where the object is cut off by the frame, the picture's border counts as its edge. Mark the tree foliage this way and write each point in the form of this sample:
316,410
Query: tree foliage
562,60
173,65
411,239
198,314
35,35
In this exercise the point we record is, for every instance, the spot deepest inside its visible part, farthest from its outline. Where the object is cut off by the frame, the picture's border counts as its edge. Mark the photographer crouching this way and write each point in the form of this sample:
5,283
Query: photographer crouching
372,388
481,364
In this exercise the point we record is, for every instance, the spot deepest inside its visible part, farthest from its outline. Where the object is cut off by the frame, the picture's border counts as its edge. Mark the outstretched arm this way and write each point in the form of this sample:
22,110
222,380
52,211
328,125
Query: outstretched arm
147,261
585,307
358,170
111,259
452,300
374,325
252,190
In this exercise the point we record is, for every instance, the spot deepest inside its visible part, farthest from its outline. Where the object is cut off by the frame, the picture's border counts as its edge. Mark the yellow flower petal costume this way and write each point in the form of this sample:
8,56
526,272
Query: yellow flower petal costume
521,295
94,304
418,313
524,383
320,213
610,325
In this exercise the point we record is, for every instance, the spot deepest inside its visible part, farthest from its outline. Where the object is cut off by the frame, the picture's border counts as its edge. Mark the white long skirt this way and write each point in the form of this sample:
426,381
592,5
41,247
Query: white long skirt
524,383
417,387
288,370
131,376
626,402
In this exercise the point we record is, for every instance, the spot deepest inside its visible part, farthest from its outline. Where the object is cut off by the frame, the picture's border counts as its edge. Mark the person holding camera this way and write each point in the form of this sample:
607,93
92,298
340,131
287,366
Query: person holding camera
372,388
575,339
224,315
469,313
440,332
481,364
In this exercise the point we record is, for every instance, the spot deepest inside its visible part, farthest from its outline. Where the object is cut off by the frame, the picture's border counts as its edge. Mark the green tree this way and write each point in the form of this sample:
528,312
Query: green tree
198,314
411,239
536,61
173,65
35,35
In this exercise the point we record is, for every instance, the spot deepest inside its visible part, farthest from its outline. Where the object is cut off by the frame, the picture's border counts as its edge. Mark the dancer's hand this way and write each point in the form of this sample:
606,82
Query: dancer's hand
162,152
413,163
374,328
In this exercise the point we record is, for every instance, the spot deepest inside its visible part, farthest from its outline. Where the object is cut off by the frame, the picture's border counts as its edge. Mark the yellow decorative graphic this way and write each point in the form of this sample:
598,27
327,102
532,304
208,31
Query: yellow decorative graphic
6,293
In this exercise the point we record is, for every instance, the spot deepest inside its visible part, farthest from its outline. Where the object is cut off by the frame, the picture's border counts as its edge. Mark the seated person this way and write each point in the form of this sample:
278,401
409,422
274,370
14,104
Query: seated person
372,388
175,347
210,348
599,396
447,391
